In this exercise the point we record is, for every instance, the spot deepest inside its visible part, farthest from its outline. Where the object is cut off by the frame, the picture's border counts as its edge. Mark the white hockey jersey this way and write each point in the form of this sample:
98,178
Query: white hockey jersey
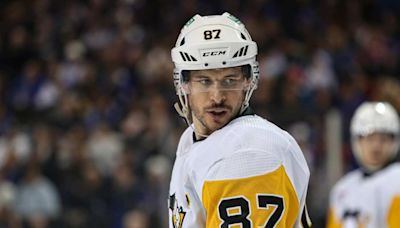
250,173
361,201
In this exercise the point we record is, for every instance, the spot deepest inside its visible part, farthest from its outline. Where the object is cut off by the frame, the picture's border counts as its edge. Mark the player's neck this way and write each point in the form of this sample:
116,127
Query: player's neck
198,133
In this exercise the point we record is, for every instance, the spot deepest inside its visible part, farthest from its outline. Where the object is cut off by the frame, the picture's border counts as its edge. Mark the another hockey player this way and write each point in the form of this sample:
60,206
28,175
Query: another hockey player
369,197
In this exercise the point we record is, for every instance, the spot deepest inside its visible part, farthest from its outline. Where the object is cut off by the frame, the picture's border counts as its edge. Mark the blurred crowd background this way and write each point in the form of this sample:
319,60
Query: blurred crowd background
87,126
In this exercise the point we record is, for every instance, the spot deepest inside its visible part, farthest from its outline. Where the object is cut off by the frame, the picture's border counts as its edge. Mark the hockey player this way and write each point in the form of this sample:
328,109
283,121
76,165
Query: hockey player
369,197
233,168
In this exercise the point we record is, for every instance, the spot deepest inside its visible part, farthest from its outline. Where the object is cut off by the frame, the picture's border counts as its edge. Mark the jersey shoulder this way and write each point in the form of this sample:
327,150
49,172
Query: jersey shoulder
259,133
349,180
185,141
256,128
385,177
390,171
250,145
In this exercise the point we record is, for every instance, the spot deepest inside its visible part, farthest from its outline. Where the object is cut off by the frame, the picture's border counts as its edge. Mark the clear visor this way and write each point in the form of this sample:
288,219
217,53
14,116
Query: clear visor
206,85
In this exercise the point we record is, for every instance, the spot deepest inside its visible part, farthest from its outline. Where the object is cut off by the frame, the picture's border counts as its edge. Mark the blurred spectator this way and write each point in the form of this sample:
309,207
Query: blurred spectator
87,198
388,89
15,150
127,191
8,217
46,96
37,201
71,72
24,90
104,149
158,169
136,219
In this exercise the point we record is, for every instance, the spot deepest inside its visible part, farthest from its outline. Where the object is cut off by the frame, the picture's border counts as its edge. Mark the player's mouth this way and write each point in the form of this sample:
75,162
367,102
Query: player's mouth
217,114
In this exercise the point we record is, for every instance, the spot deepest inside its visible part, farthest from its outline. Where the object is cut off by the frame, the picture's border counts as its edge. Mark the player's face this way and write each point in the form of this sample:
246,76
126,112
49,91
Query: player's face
215,97
375,149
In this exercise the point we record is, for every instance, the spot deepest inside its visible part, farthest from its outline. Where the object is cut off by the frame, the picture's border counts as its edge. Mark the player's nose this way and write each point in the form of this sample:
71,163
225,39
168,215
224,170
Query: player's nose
217,95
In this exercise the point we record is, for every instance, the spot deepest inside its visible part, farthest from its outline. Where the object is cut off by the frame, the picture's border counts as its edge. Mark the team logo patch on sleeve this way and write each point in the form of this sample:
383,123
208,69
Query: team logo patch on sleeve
178,214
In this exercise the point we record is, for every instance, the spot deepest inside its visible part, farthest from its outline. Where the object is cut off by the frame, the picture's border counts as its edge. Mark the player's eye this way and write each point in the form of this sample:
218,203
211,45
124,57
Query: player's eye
229,82
205,82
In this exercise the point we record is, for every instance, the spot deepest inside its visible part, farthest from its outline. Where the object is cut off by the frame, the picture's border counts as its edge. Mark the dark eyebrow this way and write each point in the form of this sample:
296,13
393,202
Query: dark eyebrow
234,75
199,76
205,76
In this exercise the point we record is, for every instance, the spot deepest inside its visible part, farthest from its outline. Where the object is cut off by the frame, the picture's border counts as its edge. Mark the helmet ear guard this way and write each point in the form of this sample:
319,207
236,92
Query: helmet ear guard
373,117
212,42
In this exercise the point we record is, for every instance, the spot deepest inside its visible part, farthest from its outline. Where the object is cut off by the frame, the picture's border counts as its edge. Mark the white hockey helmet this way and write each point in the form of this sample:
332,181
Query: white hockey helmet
211,42
371,117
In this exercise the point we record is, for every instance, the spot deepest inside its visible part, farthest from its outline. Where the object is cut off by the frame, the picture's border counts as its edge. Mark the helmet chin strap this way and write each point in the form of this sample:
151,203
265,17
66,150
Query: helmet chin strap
247,96
182,112
183,107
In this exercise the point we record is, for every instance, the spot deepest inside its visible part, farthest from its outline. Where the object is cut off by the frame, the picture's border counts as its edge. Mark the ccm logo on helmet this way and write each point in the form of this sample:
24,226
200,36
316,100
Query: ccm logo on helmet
213,53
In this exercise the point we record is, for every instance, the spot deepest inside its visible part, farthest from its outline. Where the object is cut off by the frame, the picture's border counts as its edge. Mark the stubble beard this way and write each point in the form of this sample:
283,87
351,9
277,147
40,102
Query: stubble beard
200,116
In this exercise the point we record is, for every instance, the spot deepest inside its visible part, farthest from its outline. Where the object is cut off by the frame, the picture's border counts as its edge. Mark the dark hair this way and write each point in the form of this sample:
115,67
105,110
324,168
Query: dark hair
246,70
